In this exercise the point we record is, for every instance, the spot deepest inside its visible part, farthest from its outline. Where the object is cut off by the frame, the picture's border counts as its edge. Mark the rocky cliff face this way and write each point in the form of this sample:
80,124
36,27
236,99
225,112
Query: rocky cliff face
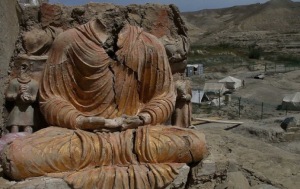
9,31
273,25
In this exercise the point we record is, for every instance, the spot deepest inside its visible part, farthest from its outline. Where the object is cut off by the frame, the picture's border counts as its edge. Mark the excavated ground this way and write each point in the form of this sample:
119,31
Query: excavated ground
260,147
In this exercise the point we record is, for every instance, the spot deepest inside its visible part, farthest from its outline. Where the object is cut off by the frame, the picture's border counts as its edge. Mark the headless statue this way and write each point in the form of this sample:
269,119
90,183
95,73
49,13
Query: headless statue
106,115
23,91
183,108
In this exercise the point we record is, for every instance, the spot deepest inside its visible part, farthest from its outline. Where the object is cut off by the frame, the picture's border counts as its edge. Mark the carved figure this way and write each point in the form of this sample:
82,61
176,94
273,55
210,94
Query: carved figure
23,91
39,41
84,92
183,107
50,15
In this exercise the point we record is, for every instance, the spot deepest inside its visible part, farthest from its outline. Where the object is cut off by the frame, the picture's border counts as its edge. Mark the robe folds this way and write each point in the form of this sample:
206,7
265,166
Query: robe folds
147,157
80,78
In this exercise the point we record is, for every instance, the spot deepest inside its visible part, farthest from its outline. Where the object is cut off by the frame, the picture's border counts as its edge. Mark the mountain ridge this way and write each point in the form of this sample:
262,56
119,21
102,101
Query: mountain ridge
274,25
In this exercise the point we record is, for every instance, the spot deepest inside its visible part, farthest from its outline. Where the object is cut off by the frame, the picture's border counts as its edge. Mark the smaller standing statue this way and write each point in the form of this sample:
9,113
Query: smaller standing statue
23,91
183,108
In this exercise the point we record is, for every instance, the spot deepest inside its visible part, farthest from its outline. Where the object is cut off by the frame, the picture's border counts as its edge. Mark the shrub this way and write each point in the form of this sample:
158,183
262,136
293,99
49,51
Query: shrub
254,51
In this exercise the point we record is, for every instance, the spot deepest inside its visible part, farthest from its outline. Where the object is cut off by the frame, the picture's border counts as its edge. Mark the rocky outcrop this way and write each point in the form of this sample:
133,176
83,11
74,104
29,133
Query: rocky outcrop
264,165
50,183
35,183
163,21
9,31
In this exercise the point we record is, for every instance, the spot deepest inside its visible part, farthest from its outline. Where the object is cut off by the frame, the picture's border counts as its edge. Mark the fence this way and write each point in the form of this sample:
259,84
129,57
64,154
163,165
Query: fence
267,67
241,108
273,67
252,108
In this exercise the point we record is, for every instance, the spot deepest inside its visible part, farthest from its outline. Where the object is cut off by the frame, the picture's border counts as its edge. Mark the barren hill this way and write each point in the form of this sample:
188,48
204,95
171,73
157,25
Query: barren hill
274,25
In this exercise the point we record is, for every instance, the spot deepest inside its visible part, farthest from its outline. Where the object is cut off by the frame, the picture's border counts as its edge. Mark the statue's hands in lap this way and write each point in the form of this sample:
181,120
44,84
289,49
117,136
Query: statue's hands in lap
98,123
89,122
110,125
131,122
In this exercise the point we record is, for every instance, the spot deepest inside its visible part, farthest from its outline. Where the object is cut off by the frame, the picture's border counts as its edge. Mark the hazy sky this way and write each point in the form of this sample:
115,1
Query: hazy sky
184,5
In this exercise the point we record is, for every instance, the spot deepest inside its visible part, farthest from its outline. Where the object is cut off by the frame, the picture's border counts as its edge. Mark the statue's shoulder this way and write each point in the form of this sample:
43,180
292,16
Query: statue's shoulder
78,34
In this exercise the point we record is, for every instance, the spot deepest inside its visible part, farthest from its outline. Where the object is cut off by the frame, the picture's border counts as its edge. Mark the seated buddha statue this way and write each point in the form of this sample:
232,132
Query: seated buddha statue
106,114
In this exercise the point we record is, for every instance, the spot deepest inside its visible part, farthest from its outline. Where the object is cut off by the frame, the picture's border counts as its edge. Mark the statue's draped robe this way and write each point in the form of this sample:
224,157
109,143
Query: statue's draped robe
81,79
148,157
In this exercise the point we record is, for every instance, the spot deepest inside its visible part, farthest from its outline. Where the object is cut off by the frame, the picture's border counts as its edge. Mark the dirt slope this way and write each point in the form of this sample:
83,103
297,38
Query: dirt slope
275,23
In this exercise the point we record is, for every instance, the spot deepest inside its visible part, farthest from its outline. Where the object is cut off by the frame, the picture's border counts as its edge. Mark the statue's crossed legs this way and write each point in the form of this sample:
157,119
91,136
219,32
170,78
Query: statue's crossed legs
147,157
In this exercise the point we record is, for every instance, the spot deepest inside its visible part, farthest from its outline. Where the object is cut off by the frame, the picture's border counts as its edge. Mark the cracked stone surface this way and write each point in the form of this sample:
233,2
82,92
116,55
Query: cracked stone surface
181,180
49,183
40,183
233,155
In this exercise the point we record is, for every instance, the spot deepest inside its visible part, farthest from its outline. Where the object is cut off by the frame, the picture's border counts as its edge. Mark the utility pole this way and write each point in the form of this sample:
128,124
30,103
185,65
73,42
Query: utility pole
240,107
262,110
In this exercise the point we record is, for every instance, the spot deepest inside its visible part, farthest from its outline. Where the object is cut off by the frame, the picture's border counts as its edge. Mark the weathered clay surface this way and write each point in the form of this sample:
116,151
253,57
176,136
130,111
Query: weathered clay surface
210,173
233,152
41,183
9,32
163,21
50,15
236,180
38,41
4,184
57,183
9,138
181,180
264,186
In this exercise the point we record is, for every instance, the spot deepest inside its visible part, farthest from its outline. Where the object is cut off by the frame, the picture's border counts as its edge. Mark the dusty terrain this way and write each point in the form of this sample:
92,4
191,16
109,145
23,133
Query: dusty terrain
258,146
270,91
260,162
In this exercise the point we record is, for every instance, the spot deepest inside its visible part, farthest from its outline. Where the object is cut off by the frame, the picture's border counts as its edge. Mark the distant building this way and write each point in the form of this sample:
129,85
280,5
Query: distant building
194,69
189,71
214,89
212,93
197,96
231,82
291,102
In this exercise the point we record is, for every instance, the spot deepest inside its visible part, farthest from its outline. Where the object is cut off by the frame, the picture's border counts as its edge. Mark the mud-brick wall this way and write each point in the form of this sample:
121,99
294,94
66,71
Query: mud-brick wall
9,31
